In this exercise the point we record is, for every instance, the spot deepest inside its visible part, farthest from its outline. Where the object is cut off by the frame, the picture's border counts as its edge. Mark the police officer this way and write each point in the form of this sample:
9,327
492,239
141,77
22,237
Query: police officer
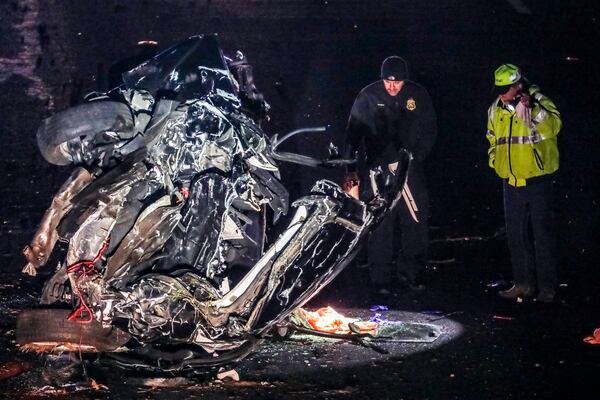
522,129
388,115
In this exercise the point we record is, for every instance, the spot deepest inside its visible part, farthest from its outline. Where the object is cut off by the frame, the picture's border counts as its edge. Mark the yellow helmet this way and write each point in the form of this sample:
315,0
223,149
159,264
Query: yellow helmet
507,74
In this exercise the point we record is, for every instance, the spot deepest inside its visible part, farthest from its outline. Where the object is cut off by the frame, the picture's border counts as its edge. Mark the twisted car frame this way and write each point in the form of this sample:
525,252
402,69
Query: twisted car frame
160,233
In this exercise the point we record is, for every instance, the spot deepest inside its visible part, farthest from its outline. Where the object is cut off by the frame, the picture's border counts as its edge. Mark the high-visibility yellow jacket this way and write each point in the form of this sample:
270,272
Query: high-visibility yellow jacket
521,149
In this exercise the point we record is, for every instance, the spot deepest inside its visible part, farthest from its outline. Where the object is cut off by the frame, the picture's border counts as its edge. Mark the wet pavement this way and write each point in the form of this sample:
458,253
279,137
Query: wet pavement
487,347
280,365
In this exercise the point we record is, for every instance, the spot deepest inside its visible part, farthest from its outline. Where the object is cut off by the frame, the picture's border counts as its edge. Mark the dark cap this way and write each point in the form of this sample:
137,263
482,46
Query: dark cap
394,68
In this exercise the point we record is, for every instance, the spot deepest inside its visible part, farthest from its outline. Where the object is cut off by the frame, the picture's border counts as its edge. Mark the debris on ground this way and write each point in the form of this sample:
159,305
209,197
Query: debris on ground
378,318
229,375
62,390
498,233
594,339
503,317
13,368
379,307
326,319
451,260
166,382
442,316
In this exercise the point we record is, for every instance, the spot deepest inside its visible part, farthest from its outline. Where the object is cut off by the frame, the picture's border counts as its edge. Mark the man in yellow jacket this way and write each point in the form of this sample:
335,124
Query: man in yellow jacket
522,129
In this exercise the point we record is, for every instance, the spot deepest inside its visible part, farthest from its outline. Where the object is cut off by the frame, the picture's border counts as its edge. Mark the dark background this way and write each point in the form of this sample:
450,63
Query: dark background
310,59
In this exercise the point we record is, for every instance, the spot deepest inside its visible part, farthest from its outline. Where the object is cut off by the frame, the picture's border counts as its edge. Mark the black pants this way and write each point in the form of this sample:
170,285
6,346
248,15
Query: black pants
531,234
399,244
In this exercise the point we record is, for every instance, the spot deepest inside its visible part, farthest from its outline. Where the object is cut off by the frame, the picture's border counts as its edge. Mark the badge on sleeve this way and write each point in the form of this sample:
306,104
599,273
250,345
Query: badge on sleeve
411,104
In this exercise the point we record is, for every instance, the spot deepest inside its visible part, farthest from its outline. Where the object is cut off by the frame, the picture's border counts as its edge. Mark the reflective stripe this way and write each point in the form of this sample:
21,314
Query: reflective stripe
536,137
515,140
540,116
490,135
491,113
538,96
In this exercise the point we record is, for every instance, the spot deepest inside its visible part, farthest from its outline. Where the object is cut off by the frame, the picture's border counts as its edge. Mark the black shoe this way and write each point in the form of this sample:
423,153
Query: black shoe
516,291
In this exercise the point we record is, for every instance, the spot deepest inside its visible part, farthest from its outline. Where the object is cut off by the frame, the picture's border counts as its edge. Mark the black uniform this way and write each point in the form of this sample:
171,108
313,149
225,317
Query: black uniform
385,124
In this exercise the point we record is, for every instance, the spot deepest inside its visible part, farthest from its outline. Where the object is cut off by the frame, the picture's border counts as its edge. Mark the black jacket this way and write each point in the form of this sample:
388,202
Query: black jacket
387,124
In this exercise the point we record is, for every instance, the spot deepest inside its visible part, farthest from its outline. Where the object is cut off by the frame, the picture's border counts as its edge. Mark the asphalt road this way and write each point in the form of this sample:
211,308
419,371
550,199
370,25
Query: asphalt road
486,347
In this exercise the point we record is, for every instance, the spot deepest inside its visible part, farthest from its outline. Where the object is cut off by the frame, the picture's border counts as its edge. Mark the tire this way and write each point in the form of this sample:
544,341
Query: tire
48,330
84,120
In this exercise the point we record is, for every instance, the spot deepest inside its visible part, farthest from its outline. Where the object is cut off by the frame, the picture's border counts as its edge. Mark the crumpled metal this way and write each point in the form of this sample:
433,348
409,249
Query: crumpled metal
38,251
183,203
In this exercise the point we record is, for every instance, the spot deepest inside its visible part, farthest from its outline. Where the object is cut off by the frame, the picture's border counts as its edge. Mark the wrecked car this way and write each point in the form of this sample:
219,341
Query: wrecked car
160,237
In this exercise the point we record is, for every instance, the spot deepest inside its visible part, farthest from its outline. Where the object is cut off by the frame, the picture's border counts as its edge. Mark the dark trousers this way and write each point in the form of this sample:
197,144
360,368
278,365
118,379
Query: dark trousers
531,233
399,244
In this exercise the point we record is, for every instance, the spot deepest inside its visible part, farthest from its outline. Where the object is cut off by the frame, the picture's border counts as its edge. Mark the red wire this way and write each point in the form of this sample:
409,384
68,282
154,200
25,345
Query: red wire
85,268
77,313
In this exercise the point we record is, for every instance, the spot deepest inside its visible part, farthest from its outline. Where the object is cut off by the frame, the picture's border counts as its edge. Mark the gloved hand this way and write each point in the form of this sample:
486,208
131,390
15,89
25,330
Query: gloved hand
523,110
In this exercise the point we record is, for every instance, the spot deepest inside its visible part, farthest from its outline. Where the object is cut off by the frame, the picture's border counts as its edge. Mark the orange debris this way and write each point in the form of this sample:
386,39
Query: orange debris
594,339
326,319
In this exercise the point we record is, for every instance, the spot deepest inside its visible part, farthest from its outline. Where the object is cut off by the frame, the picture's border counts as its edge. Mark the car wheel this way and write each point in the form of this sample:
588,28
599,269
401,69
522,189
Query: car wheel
82,121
